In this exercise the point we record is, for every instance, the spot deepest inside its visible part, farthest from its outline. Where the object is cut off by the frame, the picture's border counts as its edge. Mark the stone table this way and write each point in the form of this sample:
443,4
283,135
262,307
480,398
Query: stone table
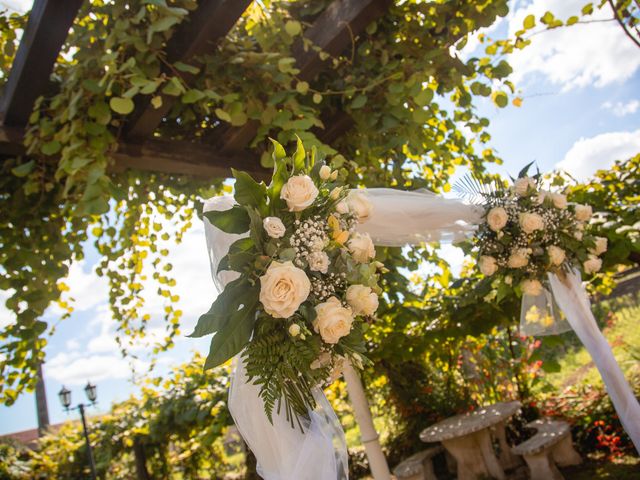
468,438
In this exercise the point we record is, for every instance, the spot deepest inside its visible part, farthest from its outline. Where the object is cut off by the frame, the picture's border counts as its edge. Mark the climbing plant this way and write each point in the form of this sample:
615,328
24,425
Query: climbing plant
410,96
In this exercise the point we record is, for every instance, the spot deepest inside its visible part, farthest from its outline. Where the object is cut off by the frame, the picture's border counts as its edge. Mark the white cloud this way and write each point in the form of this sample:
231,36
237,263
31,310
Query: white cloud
584,54
87,289
16,5
620,109
78,368
7,317
588,155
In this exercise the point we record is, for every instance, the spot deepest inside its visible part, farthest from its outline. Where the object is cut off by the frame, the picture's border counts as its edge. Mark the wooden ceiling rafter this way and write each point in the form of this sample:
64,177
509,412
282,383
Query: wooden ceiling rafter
333,32
206,25
47,29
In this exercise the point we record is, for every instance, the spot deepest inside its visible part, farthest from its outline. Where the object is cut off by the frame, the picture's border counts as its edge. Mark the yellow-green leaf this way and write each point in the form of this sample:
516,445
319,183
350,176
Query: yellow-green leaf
121,105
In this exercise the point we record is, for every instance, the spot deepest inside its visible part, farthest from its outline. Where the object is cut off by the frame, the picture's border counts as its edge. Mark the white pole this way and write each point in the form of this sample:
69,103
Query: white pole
368,434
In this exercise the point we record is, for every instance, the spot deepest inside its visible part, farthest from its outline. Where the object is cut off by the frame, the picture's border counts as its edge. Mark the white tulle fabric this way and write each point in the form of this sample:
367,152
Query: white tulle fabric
572,298
410,217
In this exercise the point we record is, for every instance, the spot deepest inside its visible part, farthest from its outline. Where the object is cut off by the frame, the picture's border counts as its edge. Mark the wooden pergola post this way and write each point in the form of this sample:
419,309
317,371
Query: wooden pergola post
368,434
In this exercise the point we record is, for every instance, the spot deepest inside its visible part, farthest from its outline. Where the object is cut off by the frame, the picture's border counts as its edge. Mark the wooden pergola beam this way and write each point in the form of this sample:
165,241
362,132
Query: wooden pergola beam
158,155
333,31
210,22
46,31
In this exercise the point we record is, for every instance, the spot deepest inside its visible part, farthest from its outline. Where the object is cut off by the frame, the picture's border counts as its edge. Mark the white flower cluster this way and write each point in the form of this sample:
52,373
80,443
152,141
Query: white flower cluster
529,232
324,287
308,242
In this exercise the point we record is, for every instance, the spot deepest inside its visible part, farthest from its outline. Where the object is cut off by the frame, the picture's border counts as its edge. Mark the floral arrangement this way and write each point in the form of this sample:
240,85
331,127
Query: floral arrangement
307,285
529,232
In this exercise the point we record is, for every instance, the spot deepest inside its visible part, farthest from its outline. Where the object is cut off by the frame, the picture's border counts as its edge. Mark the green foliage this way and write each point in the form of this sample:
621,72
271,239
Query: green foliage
177,422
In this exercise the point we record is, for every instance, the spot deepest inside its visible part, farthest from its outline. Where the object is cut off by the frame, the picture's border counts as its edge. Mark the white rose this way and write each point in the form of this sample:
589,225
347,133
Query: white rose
299,192
593,265
488,265
523,185
519,258
556,255
497,218
342,207
361,247
532,287
325,172
333,321
600,247
359,205
283,288
583,212
362,300
294,329
530,222
274,227
577,235
559,200
318,261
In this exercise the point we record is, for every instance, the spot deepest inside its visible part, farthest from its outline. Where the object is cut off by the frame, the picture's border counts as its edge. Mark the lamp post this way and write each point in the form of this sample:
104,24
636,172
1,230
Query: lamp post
65,399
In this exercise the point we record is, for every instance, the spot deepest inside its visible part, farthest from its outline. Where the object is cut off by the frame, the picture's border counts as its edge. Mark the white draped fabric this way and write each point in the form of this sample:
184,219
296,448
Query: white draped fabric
574,302
398,218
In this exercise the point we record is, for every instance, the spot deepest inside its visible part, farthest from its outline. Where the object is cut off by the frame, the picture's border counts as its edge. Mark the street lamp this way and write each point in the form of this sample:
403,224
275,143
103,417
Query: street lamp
92,395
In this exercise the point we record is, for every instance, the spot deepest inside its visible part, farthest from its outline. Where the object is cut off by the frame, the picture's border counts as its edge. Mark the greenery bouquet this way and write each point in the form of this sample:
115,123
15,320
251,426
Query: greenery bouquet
307,285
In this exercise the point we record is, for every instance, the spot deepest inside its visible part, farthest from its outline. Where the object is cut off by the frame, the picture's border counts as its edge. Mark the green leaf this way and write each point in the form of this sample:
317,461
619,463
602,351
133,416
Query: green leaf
302,88
278,179
161,25
278,150
173,87
192,96
222,115
230,339
51,148
299,156
218,315
235,220
317,98
500,99
156,101
424,97
293,28
248,191
183,67
359,101
121,105
529,22
24,169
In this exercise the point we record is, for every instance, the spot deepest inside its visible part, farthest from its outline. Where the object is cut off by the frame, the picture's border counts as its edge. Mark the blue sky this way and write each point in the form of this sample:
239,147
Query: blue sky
581,110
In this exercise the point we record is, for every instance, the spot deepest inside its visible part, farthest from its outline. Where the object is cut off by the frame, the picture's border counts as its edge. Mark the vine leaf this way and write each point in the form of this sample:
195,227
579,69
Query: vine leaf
248,191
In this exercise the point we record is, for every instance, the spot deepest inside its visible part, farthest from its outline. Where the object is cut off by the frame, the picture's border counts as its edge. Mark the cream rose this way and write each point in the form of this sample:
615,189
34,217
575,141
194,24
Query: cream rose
600,247
532,287
592,265
488,265
318,261
299,192
362,300
530,222
342,207
325,172
577,235
359,205
556,255
294,329
283,288
274,227
583,212
333,321
497,218
361,247
519,258
335,193
542,196
523,185
559,200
